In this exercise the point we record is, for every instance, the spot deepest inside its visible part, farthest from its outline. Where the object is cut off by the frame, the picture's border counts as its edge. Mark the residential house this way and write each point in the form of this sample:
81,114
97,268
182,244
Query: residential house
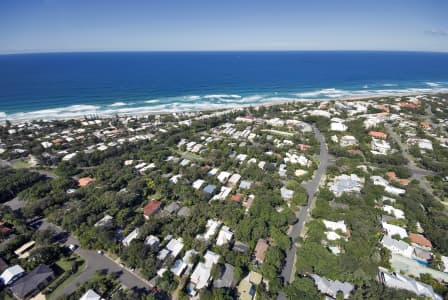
198,183
397,213
379,146
171,208
346,184
33,282
234,179
211,229
286,193
260,250
223,177
420,240
225,235
397,246
91,295
130,237
378,180
392,230
247,287
152,241
11,274
398,281
347,141
84,181
201,276
151,208
332,287
226,278
245,184
378,135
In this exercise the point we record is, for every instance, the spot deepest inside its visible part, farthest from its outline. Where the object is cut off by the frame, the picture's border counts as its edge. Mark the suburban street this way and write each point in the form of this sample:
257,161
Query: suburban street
311,188
96,262
417,172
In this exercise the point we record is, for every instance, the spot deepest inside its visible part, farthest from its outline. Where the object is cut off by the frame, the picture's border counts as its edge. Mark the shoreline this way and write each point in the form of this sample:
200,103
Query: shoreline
99,115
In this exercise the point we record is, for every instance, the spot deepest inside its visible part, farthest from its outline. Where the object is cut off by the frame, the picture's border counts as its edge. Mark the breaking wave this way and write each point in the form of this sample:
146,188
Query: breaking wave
216,101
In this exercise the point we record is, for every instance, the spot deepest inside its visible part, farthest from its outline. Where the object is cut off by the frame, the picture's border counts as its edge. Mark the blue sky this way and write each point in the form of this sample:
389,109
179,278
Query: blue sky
103,25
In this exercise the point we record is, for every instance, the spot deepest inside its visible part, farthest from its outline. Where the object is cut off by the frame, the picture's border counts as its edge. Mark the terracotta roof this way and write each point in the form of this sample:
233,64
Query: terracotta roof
304,147
85,181
236,197
151,208
391,175
409,105
420,240
378,134
425,124
260,250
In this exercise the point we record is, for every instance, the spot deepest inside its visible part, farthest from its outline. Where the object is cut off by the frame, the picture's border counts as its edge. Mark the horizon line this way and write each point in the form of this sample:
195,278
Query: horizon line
212,51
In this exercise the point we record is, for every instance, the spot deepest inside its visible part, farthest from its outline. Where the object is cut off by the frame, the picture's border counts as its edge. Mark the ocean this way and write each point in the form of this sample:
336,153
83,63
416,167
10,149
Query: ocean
65,85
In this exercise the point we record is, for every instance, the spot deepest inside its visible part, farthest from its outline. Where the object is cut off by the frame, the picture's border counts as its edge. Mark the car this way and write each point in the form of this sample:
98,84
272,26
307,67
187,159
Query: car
100,252
72,247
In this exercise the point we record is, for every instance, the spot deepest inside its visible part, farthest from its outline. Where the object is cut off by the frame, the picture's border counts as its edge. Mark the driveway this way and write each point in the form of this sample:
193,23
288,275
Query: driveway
311,187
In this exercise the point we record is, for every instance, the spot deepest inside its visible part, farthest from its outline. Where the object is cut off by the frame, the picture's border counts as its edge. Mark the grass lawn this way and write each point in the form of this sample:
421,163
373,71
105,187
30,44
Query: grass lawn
66,265
20,164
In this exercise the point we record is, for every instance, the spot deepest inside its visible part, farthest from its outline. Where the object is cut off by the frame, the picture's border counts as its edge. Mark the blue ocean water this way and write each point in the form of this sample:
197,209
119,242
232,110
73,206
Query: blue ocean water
74,84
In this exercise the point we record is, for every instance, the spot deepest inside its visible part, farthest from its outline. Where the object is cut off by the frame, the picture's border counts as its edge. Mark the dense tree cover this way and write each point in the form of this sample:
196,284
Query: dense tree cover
13,181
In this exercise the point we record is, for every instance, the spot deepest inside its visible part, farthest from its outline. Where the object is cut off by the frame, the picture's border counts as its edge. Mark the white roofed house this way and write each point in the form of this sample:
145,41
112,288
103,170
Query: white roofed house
223,177
225,235
198,183
348,140
378,180
346,184
337,125
397,213
392,230
379,146
397,246
211,229
130,237
201,276
332,287
11,274
234,179
398,281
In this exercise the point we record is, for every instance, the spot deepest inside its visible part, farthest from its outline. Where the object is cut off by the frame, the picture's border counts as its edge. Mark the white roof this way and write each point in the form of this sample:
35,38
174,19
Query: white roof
198,183
234,178
223,176
90,295
224,236
11,273
200,276
178,267
130,237
394,229
212,227
175,246
335,225
398,281
152,240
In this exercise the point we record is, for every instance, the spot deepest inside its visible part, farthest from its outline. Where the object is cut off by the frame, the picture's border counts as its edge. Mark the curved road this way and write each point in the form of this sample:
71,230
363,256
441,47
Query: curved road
311,188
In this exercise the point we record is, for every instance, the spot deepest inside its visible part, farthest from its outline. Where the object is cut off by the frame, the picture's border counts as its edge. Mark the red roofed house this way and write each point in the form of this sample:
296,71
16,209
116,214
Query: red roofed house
304,147
425,124
236,197
393,177
151,208
260,250
420,241
378,134
409,105
85,181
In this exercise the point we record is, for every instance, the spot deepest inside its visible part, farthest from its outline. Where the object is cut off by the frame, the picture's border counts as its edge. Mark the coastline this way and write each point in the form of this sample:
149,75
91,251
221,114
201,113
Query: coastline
148,111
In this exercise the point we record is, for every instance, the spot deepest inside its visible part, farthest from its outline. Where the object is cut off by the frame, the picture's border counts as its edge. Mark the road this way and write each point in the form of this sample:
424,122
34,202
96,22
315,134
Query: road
311,187
95,262
417,172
